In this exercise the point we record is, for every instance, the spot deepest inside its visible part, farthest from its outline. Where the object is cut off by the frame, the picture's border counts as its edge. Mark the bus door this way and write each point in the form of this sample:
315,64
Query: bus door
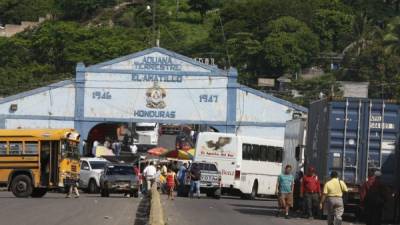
54,159
45,147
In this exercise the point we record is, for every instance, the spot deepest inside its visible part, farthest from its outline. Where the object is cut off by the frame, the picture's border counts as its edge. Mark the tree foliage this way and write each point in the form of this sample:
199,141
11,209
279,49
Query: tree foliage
15,11
262,38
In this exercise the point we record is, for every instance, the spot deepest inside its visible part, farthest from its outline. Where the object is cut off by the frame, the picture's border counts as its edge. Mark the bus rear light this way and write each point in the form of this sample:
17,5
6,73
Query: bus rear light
237,174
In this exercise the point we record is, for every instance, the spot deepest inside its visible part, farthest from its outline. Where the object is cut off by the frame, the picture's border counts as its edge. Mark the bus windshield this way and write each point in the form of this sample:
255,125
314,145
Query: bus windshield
70,150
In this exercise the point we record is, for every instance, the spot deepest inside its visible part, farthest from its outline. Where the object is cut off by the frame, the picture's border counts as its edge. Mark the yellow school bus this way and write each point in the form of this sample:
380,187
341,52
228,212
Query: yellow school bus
34,161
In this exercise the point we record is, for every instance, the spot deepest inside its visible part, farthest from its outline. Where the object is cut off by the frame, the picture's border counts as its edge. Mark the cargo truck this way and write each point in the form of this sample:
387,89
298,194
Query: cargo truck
352,136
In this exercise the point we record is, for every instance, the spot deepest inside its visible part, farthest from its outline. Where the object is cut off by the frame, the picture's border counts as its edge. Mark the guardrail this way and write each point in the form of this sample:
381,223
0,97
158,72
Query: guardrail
156,211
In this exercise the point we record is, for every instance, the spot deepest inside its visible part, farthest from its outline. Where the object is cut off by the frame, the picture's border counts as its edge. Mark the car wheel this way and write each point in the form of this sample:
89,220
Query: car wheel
21,186
217,193
105,193
136,194
93,186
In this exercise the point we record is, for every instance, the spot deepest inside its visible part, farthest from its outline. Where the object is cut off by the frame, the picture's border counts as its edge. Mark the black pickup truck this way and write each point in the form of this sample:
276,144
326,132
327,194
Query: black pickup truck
119,178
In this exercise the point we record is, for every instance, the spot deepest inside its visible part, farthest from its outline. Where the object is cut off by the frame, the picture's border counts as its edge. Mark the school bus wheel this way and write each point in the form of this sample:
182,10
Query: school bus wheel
21,186
38,192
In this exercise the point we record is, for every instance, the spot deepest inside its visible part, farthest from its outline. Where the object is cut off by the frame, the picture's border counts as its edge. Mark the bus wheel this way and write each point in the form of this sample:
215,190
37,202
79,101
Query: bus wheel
21,186
38,192
254,190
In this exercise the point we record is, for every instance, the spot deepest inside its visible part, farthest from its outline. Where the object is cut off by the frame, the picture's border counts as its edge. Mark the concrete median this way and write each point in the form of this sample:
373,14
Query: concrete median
156,210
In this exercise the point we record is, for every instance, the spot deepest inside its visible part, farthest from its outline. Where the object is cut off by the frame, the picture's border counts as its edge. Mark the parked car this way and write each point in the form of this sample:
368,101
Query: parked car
119,178
210,181
91,169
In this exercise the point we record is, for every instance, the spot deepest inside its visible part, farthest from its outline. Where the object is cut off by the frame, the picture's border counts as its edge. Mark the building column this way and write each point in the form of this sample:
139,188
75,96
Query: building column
80,101
231,101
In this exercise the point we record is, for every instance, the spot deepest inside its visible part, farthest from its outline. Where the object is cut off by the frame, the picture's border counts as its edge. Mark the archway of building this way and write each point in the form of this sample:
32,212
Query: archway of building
143,135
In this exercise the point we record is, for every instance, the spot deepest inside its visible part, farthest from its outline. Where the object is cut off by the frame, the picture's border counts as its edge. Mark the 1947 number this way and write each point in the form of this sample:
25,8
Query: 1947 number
209,98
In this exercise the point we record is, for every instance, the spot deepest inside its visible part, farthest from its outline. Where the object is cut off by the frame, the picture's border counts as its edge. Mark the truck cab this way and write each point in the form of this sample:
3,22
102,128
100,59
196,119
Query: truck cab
147,134
91,170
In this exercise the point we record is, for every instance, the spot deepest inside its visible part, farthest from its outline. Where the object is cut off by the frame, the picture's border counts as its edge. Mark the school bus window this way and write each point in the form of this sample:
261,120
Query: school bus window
15,148
31,147
3,148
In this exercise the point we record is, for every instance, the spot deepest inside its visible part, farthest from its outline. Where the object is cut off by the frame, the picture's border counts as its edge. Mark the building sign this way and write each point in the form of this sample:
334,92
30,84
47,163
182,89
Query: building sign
155,100
160,87
163,63
156,78
265,82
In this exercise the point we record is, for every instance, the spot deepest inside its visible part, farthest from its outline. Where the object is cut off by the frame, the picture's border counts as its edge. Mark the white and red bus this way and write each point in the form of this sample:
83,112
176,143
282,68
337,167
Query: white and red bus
248,165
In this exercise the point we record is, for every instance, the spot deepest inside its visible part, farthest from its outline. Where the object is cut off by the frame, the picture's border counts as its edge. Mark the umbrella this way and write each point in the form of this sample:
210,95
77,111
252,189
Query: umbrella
180,154
157,151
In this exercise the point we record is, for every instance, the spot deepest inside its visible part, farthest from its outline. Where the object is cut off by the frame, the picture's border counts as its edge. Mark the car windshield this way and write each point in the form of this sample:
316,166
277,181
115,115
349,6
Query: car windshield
120,170
97,165
207,166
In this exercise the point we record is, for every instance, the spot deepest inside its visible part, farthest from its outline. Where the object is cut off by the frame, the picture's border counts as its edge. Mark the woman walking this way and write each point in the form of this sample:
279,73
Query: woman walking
171,180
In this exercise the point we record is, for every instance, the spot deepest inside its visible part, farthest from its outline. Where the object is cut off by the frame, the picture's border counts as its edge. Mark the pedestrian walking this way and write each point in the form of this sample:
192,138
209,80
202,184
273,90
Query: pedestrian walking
195,175
171,181
181,179
332,199
298,201
310,190
72,185
374,200
149,174
157,177
284,189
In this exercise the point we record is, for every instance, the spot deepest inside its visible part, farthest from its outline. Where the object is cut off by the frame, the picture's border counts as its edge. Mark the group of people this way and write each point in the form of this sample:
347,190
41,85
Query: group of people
329,200
170,177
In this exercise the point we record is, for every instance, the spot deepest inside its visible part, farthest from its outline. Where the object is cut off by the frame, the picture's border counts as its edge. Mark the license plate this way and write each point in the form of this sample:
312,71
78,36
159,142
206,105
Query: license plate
122,185
207,178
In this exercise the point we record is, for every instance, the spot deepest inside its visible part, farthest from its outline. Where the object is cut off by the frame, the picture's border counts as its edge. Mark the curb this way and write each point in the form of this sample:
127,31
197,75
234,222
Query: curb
156,210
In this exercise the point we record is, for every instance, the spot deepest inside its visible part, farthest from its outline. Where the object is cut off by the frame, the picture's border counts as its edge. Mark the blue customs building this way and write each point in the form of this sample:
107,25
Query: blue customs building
154,85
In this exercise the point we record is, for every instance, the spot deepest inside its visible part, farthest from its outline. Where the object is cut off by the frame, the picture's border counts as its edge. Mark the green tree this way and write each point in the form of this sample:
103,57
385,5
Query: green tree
244,50
15,11
334,29
391,37
380,69
202,6
81,9
290,45
310,90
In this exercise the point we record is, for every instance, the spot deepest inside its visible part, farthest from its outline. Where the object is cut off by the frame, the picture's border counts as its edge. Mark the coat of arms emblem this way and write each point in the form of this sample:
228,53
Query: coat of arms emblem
155,97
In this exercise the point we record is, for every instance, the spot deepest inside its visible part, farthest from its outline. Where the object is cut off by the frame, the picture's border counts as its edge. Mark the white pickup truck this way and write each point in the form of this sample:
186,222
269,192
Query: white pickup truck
91,169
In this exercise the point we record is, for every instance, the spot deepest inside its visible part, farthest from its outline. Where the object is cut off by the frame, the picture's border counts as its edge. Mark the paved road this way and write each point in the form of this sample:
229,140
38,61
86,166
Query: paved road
54,209
228,210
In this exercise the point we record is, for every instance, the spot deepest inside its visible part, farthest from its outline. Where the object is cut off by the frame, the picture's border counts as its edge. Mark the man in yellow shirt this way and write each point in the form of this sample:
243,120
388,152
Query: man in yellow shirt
333,195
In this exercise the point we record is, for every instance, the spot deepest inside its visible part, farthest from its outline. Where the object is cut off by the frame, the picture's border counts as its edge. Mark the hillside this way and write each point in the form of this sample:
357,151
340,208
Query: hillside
262,38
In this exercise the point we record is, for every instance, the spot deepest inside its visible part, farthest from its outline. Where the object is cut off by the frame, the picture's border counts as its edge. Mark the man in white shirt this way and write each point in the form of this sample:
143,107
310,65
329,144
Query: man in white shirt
150,174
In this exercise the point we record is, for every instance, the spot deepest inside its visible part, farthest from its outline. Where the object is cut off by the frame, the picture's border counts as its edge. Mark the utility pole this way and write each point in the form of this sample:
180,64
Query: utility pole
154,24
177,9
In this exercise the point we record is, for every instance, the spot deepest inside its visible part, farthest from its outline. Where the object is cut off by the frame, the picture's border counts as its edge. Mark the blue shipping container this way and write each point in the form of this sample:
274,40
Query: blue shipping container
352,136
